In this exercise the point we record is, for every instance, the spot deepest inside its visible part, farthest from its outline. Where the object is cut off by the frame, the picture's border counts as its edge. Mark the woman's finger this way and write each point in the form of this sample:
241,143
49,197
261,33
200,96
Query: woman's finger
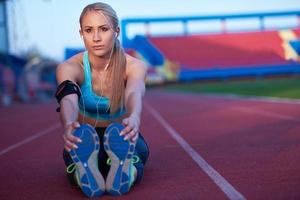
126,130
125,121
131,134
67,148
72,138
134,138
71,145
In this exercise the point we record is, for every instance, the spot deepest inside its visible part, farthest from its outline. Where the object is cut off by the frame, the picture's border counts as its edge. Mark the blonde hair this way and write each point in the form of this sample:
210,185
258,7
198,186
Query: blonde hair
117,63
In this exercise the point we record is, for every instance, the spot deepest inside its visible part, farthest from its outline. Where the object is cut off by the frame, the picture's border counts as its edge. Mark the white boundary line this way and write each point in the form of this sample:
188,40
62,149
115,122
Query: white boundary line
29,139
260,111
256,98
273,100
219,180
267,113
259,100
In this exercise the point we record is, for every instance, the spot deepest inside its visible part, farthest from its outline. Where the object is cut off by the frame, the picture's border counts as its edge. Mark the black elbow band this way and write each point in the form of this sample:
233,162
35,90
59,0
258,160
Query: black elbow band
65,88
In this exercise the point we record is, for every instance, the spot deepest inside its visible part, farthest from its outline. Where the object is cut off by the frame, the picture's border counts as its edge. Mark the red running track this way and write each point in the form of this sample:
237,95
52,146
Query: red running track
250,146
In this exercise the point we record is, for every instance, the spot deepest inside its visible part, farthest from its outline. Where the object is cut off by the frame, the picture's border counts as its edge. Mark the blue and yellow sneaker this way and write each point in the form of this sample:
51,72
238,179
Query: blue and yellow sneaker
85,158
120,152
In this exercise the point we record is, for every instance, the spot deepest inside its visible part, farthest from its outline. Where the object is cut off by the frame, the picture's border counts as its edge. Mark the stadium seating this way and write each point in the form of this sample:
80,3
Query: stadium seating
223,50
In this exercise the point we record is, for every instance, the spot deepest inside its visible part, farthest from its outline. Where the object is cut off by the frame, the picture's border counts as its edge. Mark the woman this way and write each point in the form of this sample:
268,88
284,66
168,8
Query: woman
100,95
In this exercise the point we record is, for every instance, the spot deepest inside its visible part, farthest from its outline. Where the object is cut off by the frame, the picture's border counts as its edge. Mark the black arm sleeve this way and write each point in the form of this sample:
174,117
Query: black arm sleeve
65,88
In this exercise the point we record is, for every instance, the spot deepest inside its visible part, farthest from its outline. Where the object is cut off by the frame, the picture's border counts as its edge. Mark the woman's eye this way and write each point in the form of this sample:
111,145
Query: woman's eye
104,29
88,30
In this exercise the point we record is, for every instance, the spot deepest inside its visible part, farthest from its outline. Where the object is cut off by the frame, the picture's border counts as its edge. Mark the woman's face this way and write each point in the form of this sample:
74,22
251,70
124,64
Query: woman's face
97,33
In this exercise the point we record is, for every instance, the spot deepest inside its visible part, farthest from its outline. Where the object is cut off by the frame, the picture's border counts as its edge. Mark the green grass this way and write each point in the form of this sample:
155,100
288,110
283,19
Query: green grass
288,87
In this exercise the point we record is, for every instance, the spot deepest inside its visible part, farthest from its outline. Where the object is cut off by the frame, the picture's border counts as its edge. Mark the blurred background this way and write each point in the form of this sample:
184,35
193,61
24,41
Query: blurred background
228,47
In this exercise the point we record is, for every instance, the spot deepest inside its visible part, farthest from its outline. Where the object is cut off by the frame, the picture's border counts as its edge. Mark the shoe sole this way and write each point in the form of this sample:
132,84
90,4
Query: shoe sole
120,152
86,160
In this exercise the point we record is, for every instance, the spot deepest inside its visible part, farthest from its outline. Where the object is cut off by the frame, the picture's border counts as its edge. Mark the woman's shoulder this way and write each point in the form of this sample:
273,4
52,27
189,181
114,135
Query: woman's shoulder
73,62
133,63
135,68
71,68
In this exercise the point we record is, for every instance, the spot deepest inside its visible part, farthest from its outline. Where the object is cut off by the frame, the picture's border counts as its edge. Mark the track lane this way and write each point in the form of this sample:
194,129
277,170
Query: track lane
21,121
36,170
256,151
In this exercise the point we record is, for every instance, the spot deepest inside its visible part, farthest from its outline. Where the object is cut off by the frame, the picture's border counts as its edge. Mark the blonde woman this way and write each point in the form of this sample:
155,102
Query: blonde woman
100,94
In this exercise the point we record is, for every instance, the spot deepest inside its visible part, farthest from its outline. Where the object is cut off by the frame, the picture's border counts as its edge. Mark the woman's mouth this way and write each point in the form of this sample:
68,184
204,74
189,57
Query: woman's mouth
97,47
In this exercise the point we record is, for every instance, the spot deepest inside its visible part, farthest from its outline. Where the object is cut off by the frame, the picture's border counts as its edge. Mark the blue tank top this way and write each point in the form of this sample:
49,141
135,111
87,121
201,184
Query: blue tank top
91,104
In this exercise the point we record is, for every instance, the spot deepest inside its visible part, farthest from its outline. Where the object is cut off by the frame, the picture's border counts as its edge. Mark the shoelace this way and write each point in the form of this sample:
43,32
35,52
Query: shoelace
135,159
71,168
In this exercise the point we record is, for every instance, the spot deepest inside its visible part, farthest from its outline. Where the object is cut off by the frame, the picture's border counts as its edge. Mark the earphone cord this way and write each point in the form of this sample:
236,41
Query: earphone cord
101,90
101,87
111,52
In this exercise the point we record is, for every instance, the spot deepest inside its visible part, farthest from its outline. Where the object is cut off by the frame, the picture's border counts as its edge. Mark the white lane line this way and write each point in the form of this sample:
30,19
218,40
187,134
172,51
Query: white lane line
219,180
256,98
29,139
258,111
270,99
267,114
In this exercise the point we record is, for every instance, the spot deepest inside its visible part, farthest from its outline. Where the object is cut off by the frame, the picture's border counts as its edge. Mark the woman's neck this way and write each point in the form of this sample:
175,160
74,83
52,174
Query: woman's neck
98,64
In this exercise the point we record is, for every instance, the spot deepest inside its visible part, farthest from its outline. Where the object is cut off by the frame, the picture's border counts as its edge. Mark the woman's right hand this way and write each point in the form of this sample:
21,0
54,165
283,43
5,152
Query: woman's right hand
69,139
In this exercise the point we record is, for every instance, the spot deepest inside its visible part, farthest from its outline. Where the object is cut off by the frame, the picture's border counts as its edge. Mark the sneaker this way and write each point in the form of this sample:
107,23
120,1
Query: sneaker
133,173
89,178
72,176
120,152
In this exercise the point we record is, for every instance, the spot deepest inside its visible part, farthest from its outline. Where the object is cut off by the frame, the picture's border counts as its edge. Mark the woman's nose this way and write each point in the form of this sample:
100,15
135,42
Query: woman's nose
96,36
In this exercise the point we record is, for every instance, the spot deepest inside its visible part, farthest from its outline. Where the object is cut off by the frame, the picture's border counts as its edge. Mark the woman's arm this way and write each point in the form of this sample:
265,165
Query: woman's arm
68,104
134,93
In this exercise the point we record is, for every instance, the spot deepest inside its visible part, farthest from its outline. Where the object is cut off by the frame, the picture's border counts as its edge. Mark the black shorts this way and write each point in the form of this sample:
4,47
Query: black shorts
141,150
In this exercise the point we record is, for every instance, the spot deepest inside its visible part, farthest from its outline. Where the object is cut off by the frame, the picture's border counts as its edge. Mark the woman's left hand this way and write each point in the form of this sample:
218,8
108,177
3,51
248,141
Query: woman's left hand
131,130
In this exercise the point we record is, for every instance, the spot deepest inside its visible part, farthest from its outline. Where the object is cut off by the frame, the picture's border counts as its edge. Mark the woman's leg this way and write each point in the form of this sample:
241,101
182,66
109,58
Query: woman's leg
69,171
142,151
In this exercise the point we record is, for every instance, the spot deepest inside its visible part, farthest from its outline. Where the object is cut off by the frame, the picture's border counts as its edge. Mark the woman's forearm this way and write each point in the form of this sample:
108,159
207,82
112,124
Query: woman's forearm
69,109
134,100
134,104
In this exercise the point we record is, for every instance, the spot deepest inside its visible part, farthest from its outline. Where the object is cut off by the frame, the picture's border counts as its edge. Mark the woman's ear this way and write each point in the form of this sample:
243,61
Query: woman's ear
117,31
